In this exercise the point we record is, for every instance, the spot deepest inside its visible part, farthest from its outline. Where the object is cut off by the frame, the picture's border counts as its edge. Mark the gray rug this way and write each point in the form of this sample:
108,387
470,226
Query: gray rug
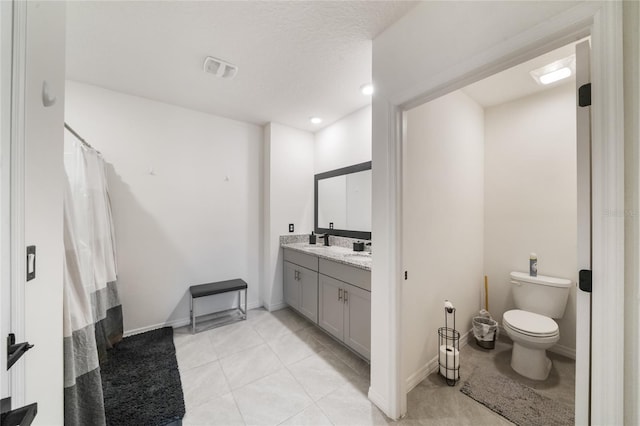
516,402
141,382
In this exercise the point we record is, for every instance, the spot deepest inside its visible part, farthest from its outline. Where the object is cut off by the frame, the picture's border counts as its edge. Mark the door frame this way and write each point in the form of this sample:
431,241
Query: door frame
603,22
13,249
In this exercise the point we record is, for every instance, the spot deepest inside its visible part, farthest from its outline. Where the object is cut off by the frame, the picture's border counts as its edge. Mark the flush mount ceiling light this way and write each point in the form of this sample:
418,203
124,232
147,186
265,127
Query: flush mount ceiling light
219,67
315,120
367,89
555,71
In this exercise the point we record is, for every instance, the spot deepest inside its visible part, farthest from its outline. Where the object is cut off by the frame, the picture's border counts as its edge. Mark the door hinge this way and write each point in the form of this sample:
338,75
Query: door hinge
584,280
20,416
31,262
584,95
15,350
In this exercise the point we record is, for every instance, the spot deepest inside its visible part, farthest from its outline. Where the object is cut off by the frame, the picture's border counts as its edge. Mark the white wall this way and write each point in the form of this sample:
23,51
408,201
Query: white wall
288,198
44,174
443,224
185,192
632,212
345,142
530,197
431,45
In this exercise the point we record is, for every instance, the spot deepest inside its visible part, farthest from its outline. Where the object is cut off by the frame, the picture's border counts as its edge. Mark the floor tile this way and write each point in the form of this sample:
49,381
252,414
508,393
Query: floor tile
202,384
220,411
310,416
249,365
293,347
256,315
234,338
280,322
271,400
193,350
320,335
349,406
318,368
321,374
348,357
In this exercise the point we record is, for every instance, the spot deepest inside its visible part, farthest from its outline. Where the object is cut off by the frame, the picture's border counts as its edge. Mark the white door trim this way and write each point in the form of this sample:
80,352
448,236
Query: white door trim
583,299
607,366
18,248
6,18
604,22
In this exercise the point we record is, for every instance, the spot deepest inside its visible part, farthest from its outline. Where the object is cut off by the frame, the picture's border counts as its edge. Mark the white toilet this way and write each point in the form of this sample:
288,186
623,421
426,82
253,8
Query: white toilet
531,327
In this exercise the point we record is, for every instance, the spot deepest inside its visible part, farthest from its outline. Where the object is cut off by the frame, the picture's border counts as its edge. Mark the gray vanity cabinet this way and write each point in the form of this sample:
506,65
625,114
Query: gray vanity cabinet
345,309
331,316
357,320
301,283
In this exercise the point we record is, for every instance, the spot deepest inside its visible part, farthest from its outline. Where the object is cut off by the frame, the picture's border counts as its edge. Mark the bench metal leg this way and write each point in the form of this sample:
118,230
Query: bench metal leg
244,311
193,317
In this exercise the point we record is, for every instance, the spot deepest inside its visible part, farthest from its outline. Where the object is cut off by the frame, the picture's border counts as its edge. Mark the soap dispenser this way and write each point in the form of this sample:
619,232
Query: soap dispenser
312,238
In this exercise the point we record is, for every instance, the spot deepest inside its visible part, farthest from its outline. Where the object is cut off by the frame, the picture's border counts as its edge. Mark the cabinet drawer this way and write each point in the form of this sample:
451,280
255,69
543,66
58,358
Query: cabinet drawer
306,260
349,274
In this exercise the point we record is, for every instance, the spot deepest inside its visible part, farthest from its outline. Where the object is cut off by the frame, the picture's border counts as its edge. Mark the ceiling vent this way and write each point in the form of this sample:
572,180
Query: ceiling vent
219,67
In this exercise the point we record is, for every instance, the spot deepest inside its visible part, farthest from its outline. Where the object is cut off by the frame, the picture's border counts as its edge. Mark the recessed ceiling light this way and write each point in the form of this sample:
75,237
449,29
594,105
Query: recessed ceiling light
367,89
315,120
556,71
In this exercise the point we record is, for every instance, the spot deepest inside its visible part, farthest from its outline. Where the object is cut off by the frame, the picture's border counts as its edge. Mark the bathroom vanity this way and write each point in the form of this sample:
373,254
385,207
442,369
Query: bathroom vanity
331,286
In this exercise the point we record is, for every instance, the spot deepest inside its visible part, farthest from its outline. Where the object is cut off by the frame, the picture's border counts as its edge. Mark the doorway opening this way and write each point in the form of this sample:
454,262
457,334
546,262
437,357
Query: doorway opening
489,176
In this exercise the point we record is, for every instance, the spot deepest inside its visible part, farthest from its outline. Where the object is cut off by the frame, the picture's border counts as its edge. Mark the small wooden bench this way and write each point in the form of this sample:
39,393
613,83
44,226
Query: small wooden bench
211,289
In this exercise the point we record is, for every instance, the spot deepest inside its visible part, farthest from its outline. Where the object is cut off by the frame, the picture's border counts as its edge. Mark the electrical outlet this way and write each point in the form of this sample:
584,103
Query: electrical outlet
330,225
291,227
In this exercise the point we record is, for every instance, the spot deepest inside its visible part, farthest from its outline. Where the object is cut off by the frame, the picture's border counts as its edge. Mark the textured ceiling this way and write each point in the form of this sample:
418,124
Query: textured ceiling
296,59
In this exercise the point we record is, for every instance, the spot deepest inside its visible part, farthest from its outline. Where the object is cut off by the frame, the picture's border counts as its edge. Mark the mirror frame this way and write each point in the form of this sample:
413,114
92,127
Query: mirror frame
363,235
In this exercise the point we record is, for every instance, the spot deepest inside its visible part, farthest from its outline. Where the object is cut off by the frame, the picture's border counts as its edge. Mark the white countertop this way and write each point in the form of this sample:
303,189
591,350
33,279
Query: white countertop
358,259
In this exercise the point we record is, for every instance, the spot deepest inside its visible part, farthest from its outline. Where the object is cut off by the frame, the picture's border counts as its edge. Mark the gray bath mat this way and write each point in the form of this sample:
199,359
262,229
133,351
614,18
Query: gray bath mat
515,401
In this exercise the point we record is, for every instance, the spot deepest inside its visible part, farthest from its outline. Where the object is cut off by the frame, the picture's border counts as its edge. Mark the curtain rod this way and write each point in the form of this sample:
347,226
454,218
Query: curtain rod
74,133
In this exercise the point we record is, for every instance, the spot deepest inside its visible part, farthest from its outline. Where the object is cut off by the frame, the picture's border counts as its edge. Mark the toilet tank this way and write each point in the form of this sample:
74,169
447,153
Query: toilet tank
542,295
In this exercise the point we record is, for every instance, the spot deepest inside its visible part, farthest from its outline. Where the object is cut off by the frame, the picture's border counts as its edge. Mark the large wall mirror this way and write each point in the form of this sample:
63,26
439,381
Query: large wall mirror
343,201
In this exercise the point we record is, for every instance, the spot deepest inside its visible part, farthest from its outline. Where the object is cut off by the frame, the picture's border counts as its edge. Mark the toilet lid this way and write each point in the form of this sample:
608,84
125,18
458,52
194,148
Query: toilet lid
530,323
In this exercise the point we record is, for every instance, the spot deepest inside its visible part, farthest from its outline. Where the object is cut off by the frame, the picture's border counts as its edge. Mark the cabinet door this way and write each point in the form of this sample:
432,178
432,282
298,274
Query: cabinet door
331,315
291,285
357,320
309,293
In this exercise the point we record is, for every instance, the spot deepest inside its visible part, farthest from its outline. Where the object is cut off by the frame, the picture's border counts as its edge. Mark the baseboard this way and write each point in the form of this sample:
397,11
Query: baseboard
177,323
275,306
564,351
431,366
254,305
379,400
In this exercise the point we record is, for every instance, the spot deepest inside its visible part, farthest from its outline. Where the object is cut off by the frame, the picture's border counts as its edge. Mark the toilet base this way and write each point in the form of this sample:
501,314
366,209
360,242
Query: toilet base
530,363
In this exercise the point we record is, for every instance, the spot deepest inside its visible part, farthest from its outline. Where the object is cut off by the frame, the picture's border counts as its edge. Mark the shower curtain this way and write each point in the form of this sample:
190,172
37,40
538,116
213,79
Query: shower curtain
92,311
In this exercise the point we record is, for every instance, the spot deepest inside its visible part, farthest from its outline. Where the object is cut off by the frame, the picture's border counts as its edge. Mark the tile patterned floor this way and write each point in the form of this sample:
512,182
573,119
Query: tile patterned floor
277,368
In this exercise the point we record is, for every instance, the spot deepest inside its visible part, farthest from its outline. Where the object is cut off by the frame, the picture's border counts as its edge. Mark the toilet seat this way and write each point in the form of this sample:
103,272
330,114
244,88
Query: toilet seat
530,324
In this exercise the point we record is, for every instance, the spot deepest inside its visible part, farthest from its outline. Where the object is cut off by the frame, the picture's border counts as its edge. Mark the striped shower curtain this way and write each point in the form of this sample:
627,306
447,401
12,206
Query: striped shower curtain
92,311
